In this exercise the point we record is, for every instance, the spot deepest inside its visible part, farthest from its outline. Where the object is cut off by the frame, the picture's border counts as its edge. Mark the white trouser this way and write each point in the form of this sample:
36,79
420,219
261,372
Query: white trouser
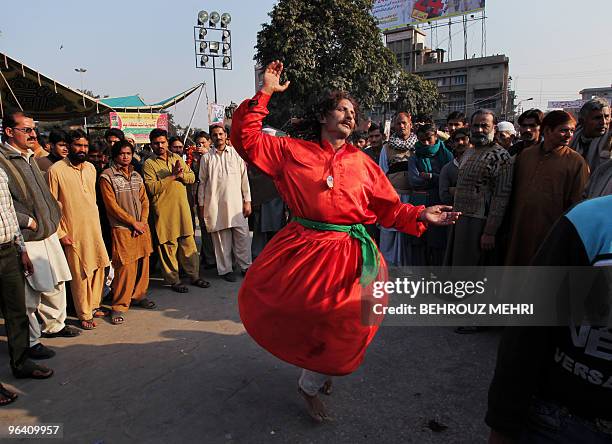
234,240
312,382
51,306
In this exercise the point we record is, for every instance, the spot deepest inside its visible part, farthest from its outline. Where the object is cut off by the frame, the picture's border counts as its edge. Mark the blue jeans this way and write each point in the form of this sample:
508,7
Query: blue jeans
551,423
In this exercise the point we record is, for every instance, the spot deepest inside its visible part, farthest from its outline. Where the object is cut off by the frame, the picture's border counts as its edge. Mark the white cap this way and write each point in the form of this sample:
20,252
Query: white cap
507,127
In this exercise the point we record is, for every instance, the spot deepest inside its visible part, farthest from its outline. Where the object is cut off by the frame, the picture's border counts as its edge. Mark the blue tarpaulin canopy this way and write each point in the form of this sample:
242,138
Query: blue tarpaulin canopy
135,103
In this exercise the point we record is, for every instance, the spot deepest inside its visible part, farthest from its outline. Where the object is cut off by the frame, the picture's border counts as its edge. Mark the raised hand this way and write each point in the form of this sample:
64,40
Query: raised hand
271,78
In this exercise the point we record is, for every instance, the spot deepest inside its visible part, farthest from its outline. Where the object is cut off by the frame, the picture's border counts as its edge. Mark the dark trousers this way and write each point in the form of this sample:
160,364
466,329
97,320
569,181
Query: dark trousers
12,304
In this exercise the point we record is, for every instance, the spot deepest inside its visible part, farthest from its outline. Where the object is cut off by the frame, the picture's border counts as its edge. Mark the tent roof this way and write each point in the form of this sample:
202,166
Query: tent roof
123,102
22,87
135,103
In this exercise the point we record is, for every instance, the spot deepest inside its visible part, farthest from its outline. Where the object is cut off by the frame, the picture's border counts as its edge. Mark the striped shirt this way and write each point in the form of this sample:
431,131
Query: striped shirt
9,227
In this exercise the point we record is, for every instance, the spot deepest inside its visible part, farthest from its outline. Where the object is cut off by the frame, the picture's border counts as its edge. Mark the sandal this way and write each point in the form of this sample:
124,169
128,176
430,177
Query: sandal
143,303
99,313
200,283
179,288
117,317
88,324
6,396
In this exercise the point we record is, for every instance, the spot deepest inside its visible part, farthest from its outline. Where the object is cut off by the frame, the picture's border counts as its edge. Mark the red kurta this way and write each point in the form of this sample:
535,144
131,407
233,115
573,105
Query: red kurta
301,299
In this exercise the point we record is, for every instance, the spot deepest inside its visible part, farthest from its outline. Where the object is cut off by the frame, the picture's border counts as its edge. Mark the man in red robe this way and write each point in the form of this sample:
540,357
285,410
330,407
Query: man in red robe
302,298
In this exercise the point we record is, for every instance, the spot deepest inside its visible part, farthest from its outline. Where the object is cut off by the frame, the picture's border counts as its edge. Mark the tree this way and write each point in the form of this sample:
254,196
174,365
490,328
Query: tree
414,94
325,44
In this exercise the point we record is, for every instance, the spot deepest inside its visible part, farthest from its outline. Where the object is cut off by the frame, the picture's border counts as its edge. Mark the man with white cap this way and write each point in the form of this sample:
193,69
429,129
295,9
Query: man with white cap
505,134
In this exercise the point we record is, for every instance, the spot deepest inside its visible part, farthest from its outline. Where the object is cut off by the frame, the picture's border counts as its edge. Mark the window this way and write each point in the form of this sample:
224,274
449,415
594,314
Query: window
459,80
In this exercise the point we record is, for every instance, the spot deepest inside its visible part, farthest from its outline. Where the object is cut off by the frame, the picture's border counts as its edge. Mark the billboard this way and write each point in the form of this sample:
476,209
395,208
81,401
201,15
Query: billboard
138,124
397,13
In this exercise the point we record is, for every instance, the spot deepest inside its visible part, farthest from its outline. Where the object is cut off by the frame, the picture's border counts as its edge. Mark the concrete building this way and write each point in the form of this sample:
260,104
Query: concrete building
467,85
589,93
464,85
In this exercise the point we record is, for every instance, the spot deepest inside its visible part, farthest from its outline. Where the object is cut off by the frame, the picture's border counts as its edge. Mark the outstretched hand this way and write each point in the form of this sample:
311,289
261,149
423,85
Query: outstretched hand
439,215
271,78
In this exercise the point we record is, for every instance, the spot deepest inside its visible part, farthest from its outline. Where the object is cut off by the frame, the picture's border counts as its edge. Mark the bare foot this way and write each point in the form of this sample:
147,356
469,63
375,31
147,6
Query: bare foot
316,408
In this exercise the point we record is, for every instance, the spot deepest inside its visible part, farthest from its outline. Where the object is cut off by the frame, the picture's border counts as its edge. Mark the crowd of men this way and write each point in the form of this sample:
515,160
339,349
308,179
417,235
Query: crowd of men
99,215
539,194
511,184
88,220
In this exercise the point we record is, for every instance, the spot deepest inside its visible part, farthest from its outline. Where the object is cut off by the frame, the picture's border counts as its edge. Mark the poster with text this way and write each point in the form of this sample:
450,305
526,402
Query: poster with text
216,114
138,124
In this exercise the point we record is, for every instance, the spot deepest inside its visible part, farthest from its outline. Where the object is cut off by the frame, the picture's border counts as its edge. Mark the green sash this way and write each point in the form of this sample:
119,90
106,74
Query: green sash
369,252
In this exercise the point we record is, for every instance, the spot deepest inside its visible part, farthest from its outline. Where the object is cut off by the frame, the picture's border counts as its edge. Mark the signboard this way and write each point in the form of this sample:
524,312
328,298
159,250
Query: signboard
138,124
216,114
398,13
567,104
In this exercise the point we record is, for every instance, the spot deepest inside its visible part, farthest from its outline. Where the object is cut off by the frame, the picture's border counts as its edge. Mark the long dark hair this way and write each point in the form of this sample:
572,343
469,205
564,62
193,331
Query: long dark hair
309,127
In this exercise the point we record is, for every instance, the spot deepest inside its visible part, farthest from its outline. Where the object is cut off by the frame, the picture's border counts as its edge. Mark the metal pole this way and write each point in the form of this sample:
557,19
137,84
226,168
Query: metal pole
215,78
193,114
81,71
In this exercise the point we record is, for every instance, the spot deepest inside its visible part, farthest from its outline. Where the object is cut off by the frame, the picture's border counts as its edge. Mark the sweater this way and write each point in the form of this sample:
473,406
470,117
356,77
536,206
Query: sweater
484,185
31,195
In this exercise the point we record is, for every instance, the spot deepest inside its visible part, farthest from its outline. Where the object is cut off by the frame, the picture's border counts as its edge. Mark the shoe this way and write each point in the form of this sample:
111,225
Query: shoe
244,272
66,332
229,277
39,351
33,371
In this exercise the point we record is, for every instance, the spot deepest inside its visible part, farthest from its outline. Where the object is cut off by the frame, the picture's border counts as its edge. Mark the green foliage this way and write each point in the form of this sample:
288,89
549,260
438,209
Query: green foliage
414,94
333,44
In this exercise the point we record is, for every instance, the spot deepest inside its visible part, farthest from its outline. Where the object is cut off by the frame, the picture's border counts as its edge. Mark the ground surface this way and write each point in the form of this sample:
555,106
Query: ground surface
187,372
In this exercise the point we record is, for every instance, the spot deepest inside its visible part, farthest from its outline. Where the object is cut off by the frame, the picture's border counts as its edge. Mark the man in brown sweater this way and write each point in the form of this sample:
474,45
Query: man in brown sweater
127,209
549,179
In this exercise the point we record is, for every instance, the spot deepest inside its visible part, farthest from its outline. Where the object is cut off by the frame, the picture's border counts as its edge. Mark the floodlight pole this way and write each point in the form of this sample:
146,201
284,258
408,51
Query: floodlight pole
81,71
214,70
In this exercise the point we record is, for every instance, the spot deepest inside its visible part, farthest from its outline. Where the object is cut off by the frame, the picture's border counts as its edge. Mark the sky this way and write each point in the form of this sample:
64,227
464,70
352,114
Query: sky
556,47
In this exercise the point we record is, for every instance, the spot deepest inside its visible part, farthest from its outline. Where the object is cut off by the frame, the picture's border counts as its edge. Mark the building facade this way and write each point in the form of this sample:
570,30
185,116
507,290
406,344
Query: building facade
464,85
589,93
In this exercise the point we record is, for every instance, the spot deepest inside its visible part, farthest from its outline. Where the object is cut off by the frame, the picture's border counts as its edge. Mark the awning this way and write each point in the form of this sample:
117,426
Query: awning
24,88
135,103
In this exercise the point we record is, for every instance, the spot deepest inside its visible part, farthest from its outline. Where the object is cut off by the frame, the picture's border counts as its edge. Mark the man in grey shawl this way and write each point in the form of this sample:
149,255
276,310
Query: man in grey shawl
592,140
600,183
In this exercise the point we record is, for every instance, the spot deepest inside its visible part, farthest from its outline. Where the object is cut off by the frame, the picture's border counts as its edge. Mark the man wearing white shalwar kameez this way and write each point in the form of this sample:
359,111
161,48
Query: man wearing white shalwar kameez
224,198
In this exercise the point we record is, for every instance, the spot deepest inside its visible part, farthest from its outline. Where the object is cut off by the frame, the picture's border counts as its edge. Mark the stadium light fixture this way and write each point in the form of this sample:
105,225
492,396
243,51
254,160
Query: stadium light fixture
212,42
225,19
214,19
202,17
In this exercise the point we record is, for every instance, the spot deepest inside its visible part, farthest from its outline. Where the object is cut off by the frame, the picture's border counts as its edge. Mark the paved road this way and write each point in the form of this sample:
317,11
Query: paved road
187,372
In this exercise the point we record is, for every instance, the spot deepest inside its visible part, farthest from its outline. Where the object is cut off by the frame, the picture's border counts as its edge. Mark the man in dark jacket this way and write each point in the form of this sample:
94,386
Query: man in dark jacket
554,384
529,130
